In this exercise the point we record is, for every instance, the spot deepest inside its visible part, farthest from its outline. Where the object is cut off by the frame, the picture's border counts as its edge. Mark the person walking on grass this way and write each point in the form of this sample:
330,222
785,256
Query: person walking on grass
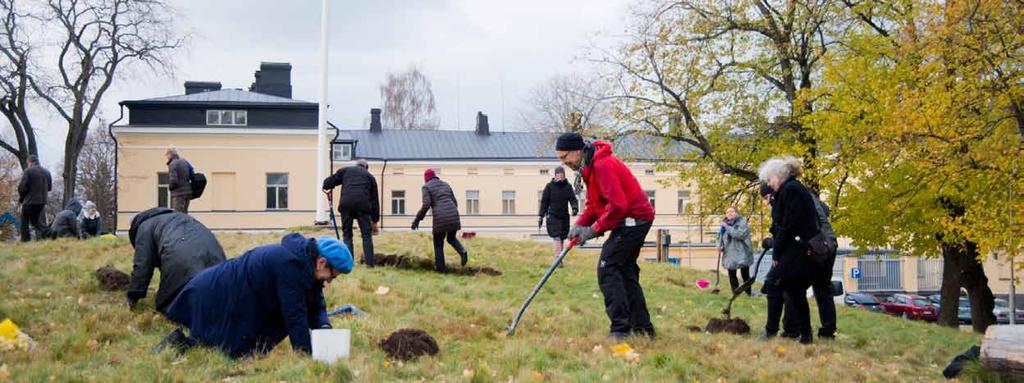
734,243
158,237
794,222
438,196
555,201
249,304
33,188
358,203
616,204
179,178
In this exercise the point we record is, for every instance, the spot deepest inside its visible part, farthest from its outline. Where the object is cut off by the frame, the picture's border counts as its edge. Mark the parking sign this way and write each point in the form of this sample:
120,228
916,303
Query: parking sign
855,273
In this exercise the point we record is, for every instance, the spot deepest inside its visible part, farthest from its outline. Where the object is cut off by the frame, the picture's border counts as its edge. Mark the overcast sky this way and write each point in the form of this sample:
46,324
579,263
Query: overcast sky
475,52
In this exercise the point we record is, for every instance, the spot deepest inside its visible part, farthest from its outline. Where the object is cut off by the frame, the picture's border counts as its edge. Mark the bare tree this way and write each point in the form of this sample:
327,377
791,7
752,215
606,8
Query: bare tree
96,174
99,37
567,103
15,89
10,174
408,101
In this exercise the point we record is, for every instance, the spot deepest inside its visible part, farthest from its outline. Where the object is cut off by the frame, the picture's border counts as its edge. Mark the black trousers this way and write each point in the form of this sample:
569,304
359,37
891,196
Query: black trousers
439,240
365,232
822,288
778,304
618,275
32,215
796,290
735,283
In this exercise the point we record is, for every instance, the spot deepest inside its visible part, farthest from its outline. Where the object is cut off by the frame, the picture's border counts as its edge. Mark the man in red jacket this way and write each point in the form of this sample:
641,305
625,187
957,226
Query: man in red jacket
615,203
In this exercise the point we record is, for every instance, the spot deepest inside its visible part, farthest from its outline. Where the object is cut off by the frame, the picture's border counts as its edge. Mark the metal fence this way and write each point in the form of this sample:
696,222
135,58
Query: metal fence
880,273
929,274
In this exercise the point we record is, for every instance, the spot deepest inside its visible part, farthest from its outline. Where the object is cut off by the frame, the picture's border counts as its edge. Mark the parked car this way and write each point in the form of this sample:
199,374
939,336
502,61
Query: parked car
865,301
963,311
1002,312
910,307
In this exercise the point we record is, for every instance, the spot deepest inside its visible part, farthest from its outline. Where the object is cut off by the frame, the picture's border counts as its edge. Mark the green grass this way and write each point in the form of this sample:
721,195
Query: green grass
84,334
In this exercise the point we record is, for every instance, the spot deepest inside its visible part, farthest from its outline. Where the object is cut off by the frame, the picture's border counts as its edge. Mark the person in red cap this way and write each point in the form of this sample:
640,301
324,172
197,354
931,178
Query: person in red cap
438,196
616,204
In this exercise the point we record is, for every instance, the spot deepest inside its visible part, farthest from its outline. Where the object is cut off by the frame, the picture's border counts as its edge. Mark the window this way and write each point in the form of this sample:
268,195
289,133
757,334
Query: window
277,191
398,202
163,190
472,202
341,152
508,202
226,117
650,197
544,172
648,172
682,201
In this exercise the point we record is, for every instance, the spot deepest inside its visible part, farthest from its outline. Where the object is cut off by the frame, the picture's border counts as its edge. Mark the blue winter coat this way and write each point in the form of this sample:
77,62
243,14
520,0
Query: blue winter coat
249,304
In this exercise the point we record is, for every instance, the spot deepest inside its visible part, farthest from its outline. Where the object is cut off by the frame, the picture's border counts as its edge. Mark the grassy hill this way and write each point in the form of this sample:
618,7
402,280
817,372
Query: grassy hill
84,334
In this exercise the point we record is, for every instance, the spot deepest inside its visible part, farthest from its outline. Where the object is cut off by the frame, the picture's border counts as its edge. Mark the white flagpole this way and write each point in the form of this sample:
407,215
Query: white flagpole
321,151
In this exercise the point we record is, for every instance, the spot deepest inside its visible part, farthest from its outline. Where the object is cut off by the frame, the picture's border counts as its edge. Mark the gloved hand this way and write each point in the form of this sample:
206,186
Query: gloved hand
375,230
767,243
415,224
540,222
575,212
584,233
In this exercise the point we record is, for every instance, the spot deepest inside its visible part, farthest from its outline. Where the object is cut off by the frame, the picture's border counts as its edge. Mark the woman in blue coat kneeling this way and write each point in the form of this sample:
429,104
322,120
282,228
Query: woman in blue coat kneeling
249,304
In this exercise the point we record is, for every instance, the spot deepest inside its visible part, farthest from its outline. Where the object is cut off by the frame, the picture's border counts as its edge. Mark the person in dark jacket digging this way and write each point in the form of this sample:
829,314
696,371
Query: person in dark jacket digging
35,183
177,244
91,222
794,221
438,196
358,203
555,201
179,178
249,304
617,204
65,224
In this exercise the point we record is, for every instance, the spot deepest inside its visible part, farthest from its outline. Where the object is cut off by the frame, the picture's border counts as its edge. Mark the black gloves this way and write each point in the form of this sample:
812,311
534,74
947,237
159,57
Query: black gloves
767,243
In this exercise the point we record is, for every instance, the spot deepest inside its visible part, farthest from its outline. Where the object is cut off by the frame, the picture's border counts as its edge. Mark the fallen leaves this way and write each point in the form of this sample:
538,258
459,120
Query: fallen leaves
625,351
5,374
382,290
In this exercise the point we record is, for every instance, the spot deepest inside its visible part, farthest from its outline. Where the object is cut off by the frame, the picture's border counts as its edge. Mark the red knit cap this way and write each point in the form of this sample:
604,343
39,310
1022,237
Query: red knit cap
427,175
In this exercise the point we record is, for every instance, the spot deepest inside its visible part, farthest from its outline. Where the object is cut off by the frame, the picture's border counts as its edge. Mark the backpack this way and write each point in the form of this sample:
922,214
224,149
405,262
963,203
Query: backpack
821,248
197,181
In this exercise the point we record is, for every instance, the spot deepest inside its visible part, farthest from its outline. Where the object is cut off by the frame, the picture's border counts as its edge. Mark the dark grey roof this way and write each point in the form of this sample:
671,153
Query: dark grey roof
451,145
224,96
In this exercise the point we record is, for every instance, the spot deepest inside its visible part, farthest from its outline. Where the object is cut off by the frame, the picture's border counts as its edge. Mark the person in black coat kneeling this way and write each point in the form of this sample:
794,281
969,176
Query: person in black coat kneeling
794,222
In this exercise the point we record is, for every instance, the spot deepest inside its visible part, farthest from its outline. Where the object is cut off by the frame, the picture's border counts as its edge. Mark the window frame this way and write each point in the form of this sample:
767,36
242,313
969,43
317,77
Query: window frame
398,199
508,206
652,198
682,201
235,116
166,193
338,152
277,191
472,204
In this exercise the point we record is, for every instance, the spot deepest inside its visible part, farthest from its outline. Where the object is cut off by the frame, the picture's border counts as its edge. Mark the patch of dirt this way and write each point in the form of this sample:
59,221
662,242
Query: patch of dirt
112,279
408,344
728,325
422,264
694,329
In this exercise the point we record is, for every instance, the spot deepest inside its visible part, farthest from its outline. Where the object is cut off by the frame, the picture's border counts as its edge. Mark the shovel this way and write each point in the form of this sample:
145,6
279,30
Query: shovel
330,206
718,272
511,330
745,285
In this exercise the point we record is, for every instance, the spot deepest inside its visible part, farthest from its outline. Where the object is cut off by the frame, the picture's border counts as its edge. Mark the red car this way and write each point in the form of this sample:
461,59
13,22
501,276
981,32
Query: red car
910,307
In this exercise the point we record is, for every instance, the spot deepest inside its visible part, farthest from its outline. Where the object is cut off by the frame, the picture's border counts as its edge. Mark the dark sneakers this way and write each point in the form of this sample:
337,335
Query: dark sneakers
176,340
790,335
465,258
806,339
766,336
616,336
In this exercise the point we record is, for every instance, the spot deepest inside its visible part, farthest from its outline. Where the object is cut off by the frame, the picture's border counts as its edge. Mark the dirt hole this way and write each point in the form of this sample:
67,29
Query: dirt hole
422,264
728,325
112,279
409,344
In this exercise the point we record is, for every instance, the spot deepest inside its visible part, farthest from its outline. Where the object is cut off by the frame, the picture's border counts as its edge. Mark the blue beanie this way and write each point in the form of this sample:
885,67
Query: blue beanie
336,253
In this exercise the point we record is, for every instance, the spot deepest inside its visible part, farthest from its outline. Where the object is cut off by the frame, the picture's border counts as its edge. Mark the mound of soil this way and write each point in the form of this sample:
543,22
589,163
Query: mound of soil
694,329
112,279
729,325
408,344
422,264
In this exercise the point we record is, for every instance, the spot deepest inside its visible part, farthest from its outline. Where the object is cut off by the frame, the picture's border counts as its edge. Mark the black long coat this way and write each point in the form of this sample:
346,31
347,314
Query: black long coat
793,215
438,196
555,201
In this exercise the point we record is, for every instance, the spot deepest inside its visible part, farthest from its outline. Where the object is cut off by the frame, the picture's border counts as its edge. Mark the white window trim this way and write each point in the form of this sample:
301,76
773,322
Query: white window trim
234,117
277,195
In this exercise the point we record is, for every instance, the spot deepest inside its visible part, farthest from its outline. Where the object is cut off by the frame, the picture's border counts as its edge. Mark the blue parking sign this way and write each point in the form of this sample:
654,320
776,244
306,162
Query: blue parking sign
855,273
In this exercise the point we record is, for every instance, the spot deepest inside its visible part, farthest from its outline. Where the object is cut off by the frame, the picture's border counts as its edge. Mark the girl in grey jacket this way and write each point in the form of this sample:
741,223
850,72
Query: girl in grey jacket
737,250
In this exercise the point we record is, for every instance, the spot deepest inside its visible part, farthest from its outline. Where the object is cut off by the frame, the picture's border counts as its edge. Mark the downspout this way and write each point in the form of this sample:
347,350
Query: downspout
110,132
382,170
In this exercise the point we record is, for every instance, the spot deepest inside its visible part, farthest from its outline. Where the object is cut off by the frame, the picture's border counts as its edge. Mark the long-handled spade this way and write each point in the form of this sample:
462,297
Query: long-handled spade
718,273
554,265
330,208
746,285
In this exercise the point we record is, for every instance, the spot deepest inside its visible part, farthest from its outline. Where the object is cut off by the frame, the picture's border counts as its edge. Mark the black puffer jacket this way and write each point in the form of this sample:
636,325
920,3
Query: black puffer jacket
793,215
179,174
65,224
558,196
358,191
35,183
177,244
437,195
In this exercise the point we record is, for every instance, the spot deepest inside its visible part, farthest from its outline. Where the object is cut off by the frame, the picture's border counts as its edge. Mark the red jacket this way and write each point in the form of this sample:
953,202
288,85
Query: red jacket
613,193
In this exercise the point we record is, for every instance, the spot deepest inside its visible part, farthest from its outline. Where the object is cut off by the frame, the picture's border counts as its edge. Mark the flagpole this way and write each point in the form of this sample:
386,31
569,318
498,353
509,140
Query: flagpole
321,140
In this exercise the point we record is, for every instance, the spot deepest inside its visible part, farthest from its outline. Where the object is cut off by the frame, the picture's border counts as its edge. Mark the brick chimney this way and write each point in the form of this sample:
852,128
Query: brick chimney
274,79
193,87
375,125
482,127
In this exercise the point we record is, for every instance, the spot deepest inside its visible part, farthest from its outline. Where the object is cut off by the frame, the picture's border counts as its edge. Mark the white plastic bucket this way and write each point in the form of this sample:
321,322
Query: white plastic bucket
329,345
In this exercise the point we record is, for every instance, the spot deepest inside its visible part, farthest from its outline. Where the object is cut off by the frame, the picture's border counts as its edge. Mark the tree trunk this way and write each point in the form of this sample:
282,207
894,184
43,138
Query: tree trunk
72,150
962,259
950,293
